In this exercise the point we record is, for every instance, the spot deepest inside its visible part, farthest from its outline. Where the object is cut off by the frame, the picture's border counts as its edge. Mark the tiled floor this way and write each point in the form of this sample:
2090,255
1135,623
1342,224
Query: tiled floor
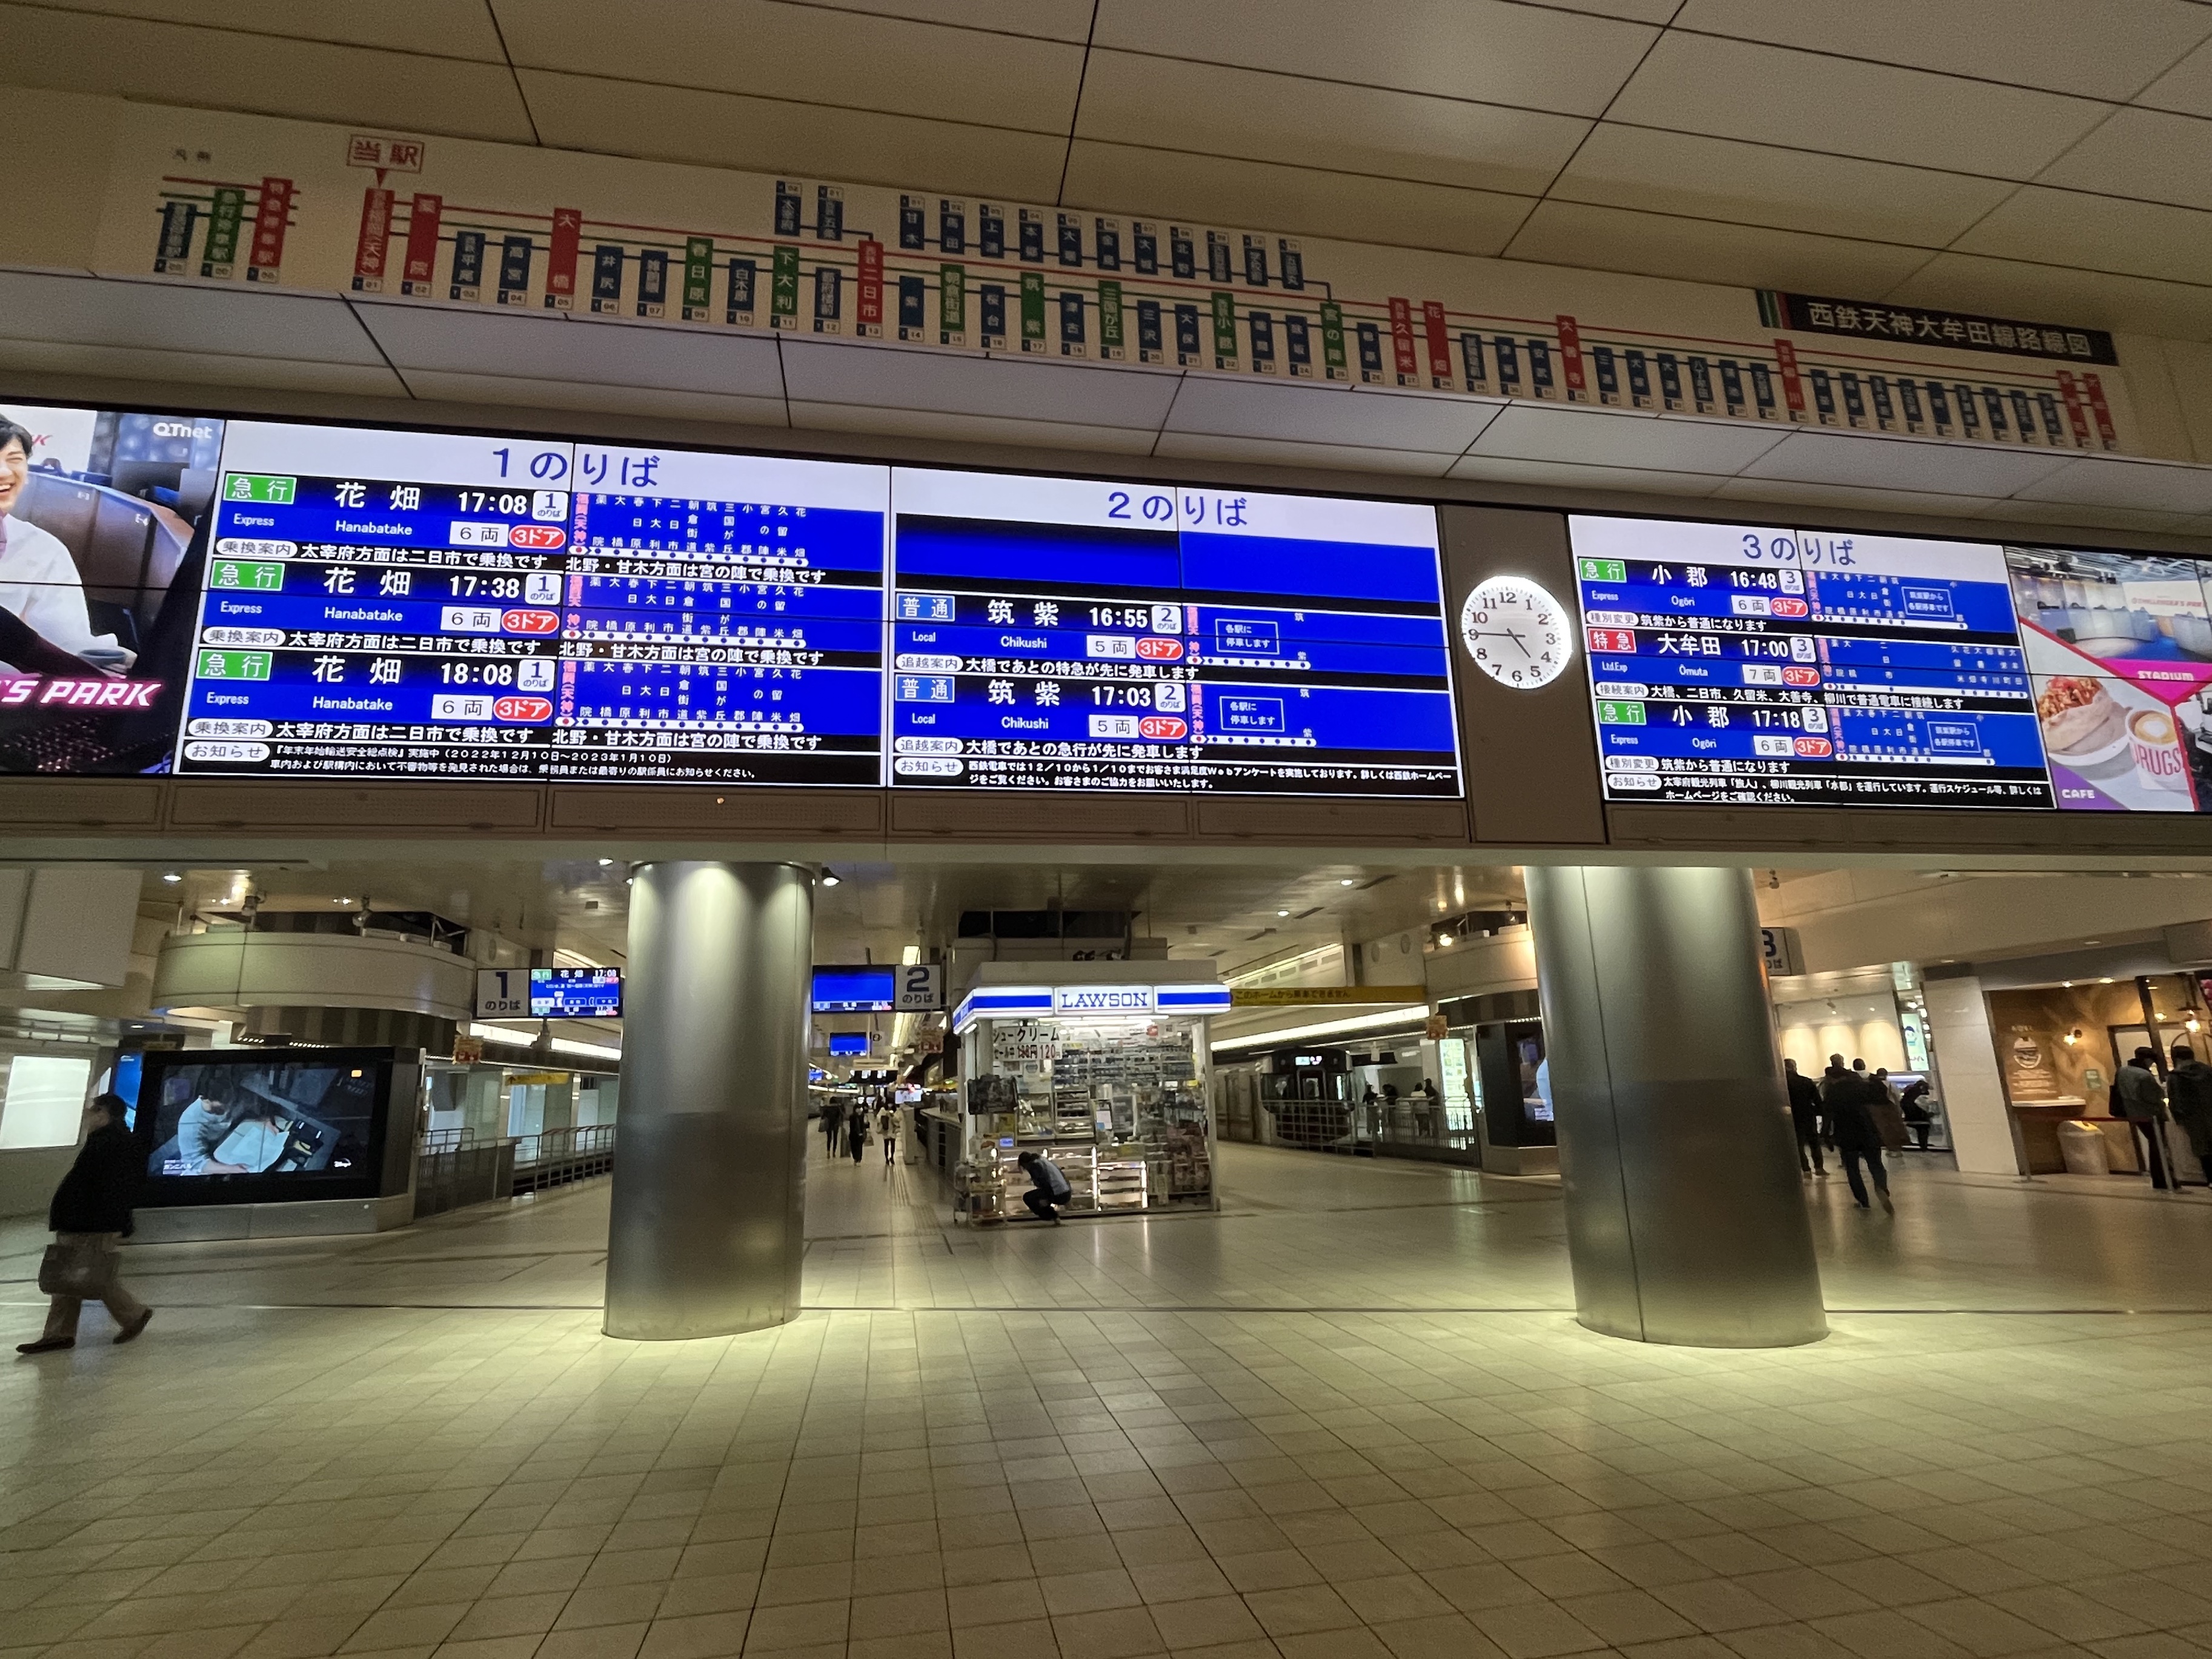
1346,1416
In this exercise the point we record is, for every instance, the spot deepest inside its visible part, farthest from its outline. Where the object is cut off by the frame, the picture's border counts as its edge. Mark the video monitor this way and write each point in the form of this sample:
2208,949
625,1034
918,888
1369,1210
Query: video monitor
234,1125
575,993
855,990
848,1042
101,514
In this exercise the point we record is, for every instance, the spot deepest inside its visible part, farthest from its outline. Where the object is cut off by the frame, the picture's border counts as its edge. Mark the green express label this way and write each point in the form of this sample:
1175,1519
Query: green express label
234,666
254,578
260,487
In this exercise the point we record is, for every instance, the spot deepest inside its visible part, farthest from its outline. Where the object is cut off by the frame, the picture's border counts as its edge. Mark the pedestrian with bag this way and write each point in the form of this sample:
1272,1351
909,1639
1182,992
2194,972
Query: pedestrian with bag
89,1216
2138,1097
2189,1095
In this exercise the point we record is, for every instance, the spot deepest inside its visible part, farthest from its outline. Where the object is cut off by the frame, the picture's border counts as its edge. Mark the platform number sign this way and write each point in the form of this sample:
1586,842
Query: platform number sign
503,992
920,988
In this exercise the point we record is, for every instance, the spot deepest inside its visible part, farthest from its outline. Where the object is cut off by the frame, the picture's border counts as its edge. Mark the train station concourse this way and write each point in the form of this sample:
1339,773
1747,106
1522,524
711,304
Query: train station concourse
945,830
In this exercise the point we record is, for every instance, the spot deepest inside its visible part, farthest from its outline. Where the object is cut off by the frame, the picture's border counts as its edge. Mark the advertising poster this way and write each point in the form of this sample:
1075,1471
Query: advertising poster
98,581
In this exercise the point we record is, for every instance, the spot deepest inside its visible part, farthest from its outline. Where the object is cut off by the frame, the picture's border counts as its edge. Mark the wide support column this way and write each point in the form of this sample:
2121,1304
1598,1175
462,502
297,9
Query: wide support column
709,1194
1686,1216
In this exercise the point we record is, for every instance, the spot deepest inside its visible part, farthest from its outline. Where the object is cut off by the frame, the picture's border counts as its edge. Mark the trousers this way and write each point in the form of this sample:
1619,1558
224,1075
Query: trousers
1809,1151
2152,1132
61,1311
1040,1206
1873,1157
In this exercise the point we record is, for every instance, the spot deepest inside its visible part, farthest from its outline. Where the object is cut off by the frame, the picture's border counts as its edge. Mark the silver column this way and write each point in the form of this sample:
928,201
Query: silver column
709,1194
1686,1216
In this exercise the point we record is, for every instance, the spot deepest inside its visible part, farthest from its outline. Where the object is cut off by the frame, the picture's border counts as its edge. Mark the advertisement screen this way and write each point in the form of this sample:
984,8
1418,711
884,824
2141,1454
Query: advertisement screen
99,576
1051,633
247,1125
575,993
855,990
1756,665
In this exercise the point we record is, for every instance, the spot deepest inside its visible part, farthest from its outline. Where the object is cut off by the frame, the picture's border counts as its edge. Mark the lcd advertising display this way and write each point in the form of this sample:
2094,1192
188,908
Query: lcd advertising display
235,1126
1757,666
99,576
1060,633
859,989
575,993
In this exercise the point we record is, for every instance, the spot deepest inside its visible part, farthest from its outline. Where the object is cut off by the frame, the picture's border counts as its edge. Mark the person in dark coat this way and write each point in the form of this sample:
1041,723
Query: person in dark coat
1844,1099
1048,1186
2137,1096
1805,1118
1917,1117
90,1214
2188,1098
856,1130
833,1115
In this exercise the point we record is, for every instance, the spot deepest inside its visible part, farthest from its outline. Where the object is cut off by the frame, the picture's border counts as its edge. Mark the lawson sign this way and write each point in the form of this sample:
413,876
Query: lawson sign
1080,999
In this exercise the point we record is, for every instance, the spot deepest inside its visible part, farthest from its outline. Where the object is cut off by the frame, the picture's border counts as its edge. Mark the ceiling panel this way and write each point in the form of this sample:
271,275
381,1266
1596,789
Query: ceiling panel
1735,89
437,26
1703,250
1814,456
850,59
1607,437
2097,50
1572,474
2114,481
1780,496
596,351
2141,153
1011,387
1205,108
2012,288
197,368
2187,87
180,316
2065,228
616,118
1302,201
1048,19
1529,56
1026,432
1283,451
1724,178
596,397
2064,516
1328,413
313,81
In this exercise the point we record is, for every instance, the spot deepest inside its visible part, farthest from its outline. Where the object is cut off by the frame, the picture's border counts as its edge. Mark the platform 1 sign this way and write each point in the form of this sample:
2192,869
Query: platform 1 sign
502,993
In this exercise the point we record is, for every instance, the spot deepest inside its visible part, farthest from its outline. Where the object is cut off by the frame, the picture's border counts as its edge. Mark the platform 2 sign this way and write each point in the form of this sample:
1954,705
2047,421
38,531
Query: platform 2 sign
1061,633
1757,666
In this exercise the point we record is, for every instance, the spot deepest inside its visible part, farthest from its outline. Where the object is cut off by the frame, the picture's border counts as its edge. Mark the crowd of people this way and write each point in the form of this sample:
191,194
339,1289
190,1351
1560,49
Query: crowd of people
1861,1114
849,1127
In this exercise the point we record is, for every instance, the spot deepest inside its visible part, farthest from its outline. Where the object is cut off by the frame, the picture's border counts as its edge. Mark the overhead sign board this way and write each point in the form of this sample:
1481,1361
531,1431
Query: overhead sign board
1317,996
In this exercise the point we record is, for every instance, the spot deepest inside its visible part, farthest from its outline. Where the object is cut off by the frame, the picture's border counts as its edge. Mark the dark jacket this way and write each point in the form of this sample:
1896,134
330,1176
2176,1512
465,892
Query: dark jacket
2188,1092
1804,1103
1843,1101
1915,1093
96,1195
2135,1094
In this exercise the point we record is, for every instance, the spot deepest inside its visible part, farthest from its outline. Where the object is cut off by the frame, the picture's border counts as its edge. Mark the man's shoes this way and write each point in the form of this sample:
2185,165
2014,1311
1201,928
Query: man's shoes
1887,1208
1864,1205
46,1344
131,1331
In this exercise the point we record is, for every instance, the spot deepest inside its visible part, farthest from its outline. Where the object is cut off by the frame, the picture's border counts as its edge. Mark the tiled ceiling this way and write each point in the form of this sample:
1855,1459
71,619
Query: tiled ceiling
2007,155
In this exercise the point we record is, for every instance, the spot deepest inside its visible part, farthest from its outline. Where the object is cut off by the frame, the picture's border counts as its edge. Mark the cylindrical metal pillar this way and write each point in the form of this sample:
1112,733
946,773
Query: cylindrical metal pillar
1686,1216
709,1194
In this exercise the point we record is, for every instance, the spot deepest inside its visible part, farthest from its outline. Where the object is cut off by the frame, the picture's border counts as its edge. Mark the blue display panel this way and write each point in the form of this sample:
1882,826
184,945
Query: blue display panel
855,990
575,993
847,1043
393,604
1055,633
1753,665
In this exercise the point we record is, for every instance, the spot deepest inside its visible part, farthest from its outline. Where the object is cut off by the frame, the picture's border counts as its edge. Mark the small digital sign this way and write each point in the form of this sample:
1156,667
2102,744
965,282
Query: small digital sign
847,1043
575,993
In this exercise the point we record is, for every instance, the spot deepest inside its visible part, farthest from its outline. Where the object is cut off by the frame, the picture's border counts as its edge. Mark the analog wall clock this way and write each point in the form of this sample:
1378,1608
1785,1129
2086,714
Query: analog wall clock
1517,634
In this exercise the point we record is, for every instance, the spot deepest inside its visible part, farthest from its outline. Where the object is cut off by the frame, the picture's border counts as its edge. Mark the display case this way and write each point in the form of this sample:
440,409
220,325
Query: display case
1103,1067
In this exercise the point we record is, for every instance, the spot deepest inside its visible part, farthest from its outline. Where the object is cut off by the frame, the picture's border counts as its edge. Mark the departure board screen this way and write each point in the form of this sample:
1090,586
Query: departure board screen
1052,633
1736,664
419,605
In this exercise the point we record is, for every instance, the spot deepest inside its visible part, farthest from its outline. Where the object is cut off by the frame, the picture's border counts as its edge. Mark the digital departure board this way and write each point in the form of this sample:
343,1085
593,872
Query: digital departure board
416,605
575,993
1052,633
1753,665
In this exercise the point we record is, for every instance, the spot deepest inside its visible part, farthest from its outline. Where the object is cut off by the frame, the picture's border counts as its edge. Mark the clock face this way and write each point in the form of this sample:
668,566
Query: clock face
1517,633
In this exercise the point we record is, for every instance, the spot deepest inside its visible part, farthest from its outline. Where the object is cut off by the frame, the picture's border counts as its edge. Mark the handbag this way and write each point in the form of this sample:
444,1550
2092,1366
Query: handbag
82,1269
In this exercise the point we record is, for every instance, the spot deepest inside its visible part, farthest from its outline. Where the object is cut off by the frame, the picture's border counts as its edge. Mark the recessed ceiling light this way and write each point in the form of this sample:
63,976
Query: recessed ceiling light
171,875
2092,941
1282,913
1349,881
604,863
830,878
342,901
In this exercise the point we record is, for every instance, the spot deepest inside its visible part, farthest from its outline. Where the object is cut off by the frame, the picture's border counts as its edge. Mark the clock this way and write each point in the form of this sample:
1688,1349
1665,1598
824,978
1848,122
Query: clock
1517,633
